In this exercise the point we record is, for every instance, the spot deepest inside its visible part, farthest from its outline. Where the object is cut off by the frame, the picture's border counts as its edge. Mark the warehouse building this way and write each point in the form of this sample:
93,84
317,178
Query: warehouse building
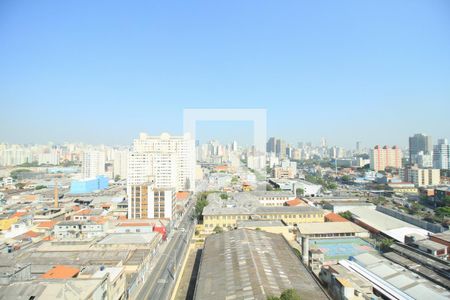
252,264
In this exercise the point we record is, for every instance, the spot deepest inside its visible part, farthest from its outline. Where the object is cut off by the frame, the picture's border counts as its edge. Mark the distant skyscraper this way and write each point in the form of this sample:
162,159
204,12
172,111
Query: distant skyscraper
358,147
323,142
382,158
441,155
280,148
417,143
271,144
93,163
234,146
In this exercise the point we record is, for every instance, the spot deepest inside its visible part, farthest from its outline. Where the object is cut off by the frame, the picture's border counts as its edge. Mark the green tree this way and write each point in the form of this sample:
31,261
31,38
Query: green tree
299,192
443,212
346,214
20,185
218,229
385,244
14,173
117,178
346,178
290,294
200,204
40,187
223,196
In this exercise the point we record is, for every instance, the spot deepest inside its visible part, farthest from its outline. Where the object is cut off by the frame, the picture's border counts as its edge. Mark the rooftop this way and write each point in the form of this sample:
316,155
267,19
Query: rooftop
249,264
378,220
445,236
61,272
404,280
329,227
260,223
332,217
128,238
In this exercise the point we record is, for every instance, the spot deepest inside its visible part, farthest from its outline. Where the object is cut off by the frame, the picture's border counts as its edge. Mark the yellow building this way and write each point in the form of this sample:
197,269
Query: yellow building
6,224
228,217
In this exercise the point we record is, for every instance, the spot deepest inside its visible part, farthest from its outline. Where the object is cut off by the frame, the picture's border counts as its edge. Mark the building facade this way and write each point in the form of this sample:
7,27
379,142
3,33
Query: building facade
93,164
441,155
147,202
419,143
421,177
385,157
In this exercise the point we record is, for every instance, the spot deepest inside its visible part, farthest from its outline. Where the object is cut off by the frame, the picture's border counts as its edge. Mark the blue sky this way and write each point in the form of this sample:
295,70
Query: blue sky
103,71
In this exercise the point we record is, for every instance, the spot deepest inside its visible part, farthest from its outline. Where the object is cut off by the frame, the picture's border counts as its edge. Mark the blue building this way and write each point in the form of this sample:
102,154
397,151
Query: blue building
89,185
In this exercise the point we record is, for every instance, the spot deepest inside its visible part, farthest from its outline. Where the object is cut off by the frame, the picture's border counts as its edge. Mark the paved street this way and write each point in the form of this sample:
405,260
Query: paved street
160,281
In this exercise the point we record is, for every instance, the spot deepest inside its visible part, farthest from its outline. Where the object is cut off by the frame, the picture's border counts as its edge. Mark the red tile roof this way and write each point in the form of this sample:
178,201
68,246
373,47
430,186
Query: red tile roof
47,224
182,195
31,234
295,202
332,217
61,272
19,214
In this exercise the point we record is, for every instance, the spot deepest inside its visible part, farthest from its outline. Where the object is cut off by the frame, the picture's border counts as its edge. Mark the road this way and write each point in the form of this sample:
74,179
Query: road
160,282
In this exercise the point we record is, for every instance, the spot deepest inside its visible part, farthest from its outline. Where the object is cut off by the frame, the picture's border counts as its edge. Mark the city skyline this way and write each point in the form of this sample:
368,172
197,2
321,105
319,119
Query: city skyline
319,70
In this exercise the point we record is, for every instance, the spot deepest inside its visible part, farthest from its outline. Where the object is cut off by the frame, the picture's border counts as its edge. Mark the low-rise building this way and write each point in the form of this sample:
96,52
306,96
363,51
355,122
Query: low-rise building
251,264
421,177
226,213
392,280
78,230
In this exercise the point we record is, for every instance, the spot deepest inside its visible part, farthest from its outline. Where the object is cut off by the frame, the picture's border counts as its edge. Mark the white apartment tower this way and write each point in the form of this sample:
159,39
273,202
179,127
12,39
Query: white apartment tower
120,163
168,161
159,166
441,155
93,163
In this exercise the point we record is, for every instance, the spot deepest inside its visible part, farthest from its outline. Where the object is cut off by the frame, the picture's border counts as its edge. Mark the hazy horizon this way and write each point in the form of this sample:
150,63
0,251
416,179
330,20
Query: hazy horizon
101,72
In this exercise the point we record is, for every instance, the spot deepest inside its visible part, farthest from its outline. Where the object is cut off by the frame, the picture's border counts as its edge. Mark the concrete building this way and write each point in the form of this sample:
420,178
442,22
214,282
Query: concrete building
441,155
309,189
419,143
89,185
93,164
424,160
421,177
343,284
227,214
251,264
168,160
271,198
331,230
120,163
146,201
78,230
385,157
392,280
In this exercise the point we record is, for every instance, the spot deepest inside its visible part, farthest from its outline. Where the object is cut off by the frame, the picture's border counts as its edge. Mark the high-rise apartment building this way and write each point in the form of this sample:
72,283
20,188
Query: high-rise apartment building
93,164
441,155
421,177
385,157
158,166
120,163
168,161
147,202
419,143
280,148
